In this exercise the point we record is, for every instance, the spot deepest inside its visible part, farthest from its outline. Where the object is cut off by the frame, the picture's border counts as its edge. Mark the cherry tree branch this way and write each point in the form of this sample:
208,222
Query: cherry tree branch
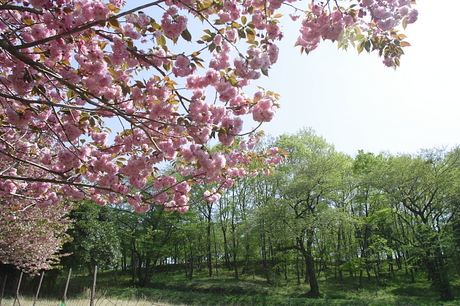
7,7
86,26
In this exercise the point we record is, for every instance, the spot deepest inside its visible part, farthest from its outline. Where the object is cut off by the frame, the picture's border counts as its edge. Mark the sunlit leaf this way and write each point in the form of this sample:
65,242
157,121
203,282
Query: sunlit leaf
236,25
359,37
161,40
28,21
113,8
233,81
360,47
114,23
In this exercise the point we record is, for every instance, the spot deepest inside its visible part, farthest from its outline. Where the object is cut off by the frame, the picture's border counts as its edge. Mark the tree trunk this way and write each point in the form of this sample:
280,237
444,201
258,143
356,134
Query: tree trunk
215,252
208,248
297,267
235,266
310,265
314,288
266,268
286,271
147,271
191,262
438,273
235,253
246,258
228,263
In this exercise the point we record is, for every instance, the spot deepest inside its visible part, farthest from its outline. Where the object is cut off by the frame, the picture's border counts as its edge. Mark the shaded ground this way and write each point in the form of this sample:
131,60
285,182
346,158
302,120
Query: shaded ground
169,289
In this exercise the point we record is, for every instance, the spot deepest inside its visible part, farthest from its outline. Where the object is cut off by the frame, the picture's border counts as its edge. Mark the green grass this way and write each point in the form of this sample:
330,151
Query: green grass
175,289
253,290
80,302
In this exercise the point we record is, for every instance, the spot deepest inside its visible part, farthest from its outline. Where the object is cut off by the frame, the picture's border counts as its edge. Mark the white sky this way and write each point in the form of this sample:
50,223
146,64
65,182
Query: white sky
355,102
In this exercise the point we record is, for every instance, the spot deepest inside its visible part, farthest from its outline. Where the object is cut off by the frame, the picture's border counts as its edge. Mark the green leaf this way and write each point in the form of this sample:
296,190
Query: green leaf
186,35
161,41
212,47
28,21
113,8
359,37
367,46
241,33
360,47
114,23
236,25
233,81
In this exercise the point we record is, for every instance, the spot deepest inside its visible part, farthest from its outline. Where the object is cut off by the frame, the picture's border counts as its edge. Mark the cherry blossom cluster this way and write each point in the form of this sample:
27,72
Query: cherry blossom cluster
388,14
95,98
374,17
322,25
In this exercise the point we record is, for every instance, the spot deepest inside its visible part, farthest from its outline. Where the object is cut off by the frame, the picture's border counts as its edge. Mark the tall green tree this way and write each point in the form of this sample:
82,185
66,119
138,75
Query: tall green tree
145,239
423,193
369,208
309,182
95,239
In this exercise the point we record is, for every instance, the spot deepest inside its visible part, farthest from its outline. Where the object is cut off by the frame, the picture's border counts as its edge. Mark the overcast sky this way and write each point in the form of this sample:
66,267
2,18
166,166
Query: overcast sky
355,102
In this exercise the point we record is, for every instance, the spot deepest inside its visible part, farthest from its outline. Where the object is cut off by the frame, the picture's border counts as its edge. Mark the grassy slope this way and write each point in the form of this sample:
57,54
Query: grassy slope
175,289
251,290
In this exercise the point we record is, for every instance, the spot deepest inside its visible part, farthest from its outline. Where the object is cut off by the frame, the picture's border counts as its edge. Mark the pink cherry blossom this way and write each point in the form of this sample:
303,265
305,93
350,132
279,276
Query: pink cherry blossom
173,24
264,111
96,98
211,195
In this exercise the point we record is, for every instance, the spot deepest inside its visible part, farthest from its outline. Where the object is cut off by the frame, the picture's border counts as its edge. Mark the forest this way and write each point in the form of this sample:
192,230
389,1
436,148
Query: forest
369,218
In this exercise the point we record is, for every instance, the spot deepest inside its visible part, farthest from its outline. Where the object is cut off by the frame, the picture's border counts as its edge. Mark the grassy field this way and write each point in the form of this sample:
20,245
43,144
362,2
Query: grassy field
80,302
175,289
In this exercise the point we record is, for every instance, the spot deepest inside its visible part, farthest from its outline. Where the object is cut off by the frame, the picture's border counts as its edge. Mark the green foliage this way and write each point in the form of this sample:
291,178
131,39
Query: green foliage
324,220
95,238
